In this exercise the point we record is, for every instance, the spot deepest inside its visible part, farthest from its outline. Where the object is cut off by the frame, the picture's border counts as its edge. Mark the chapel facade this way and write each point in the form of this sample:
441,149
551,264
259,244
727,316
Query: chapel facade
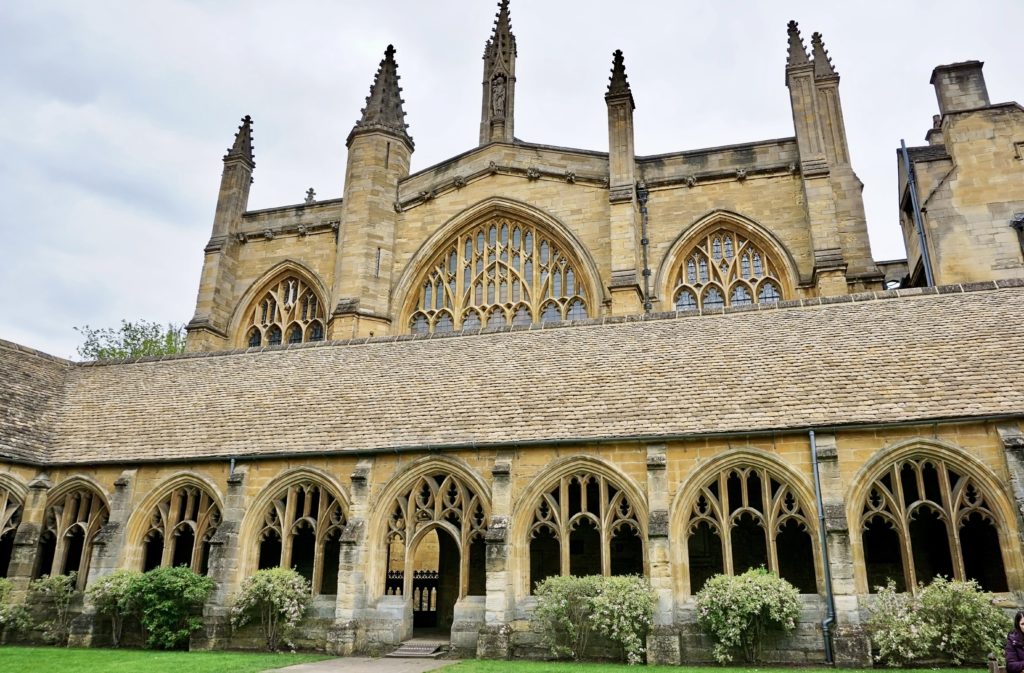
437,390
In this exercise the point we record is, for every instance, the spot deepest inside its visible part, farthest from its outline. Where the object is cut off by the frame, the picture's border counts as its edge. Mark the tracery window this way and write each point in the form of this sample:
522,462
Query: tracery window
724,268
302,530
70,528
585,526
446,503
180,529
10,518
500,273
922,517
289,311
743,518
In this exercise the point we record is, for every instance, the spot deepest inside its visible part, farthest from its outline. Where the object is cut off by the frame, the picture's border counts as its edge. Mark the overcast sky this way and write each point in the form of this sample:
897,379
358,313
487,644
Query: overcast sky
114,116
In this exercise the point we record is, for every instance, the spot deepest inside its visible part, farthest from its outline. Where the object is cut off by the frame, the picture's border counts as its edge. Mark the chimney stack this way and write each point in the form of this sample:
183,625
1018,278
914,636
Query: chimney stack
960,86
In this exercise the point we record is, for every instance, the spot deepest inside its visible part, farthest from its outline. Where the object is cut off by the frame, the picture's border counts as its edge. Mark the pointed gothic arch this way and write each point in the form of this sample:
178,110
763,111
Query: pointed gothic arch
75,511
434,492
743,509
724,259
499,262
174,524
12,504
296,522
924,507
287,304
580,515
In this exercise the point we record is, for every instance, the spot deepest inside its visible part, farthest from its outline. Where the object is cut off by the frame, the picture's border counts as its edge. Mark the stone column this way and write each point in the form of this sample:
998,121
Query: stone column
88,629
223,568
494,641
347,635
850,644
26,540
663,643
1013,446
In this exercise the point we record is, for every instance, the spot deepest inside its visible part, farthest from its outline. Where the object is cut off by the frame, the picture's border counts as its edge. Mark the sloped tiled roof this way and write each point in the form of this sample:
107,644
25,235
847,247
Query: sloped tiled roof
872,358
31,387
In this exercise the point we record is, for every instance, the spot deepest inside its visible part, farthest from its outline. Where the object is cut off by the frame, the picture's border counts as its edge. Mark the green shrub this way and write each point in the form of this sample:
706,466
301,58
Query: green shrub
623,612
571,609
117,596
736,612
278,597
13,618
949,620
897,627
55,594
168,599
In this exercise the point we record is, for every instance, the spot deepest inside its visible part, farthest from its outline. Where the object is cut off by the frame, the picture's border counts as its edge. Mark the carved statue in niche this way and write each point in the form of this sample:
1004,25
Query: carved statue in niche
498,95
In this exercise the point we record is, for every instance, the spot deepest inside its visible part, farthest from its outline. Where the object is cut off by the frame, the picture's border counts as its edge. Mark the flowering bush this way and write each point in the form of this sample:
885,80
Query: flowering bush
736,612
56,593
899,632
623,611
12,617
573,608
117,596
278,597
168,599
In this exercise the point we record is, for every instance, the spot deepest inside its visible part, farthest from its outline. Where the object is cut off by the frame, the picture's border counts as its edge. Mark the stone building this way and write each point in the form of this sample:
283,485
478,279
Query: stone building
433,392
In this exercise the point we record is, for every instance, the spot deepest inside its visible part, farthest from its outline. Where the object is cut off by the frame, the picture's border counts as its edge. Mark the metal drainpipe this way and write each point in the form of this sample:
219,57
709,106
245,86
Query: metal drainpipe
830,616
926,260
641,197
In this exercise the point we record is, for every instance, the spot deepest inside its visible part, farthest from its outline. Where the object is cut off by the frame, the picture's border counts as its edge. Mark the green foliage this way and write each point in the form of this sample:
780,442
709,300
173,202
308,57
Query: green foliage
13,617
168,599
898,630
949,620
55,595
278,597
117,596
737,612
131,340
571,609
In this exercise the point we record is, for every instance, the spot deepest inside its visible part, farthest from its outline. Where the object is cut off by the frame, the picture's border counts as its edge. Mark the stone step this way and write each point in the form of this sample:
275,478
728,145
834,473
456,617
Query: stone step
419,648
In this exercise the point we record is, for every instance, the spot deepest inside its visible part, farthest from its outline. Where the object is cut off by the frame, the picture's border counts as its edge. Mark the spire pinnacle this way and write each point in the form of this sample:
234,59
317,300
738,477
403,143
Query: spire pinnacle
383,109
797,51
617,83
242,147
501,47
822,62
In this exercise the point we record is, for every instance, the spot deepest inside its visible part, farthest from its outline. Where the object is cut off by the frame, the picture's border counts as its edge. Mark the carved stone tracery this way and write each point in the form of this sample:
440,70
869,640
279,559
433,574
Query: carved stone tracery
287,311
183,524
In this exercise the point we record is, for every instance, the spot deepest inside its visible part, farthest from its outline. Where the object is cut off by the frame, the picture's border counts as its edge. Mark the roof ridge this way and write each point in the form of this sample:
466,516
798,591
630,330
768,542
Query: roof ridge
785,305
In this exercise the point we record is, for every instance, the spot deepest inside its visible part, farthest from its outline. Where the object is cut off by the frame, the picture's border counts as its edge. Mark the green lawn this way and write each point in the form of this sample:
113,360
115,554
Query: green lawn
476,666
42,659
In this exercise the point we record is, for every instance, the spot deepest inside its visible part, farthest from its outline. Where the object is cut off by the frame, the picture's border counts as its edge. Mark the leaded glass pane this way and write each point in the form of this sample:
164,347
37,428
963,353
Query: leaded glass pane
713,298
444,323
550,313
274,336
686,301
255,338
769,293
471,321
420,324
577,311
741,296
295,335
316,332
522,316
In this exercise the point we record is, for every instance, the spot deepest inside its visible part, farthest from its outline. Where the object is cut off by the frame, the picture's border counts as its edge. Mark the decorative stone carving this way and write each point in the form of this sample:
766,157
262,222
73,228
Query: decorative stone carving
398,206
497,530
352,532
459,181
302,230
656,461
532,173
691,181
241,237
492,167
268,234
741,174
570,177
498,95
310,196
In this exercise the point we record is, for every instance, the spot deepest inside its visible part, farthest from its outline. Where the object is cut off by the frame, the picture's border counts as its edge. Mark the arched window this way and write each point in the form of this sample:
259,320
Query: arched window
456,518
499,273
725,268
923,517
746,517
180,529
585,525
302,530
71,525
10,518
288,311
